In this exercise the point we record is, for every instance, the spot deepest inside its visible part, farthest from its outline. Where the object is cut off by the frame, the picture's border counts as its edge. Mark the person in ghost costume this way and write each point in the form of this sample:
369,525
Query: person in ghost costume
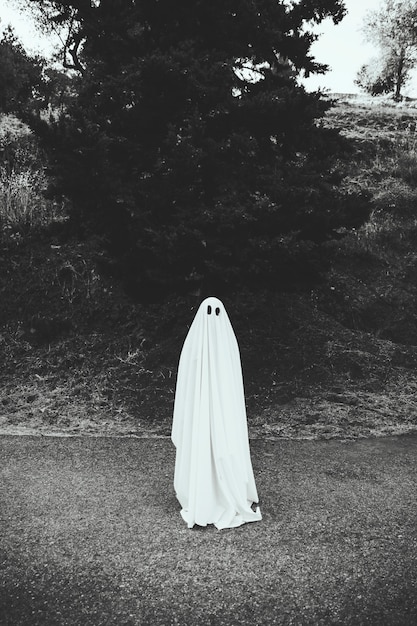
213,478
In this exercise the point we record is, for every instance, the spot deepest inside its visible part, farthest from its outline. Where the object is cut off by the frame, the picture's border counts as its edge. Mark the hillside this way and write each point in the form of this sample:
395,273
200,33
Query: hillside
77,355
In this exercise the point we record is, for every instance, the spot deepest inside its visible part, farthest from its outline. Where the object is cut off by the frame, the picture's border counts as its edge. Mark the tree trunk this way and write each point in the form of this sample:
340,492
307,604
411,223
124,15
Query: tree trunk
399,78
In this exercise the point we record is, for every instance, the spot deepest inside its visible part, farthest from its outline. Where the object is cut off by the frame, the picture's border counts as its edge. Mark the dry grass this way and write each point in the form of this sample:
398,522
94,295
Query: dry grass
23,182
77,356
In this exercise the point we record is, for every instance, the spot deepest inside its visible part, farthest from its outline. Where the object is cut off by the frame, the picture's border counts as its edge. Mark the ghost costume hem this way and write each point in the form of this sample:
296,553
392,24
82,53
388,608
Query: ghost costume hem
229,519
213,478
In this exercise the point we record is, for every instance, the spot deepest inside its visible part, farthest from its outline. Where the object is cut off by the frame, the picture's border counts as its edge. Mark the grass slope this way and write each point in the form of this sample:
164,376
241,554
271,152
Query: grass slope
339,360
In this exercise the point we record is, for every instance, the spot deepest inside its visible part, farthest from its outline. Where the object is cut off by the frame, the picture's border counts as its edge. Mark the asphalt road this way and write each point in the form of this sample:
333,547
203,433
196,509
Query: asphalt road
91,535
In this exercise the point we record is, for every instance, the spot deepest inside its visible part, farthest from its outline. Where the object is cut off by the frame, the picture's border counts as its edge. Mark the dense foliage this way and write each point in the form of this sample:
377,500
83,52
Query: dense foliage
21,77
191,143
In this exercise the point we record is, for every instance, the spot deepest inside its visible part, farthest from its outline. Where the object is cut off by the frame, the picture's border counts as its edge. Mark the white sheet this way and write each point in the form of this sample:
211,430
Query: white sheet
213,478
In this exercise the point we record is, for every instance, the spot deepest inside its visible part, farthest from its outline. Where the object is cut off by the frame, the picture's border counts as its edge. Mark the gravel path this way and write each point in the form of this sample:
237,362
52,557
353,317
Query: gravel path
91,535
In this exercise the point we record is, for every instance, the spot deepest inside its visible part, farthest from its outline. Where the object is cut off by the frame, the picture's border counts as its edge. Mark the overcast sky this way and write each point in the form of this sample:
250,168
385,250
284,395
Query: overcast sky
342,47
24,28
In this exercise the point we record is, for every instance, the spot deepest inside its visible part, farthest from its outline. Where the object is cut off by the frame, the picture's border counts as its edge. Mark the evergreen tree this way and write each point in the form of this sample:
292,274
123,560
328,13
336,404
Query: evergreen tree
191,140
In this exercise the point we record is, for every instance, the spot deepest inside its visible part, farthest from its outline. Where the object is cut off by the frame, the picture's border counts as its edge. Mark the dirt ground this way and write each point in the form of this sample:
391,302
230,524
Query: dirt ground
92,535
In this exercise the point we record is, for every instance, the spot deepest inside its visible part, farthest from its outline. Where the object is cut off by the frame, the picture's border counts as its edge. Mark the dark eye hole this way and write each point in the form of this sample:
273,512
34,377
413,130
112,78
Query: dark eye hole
217,311
209,310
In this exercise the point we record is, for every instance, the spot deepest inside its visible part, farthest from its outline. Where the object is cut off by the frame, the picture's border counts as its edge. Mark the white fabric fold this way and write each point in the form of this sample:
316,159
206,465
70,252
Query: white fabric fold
213,478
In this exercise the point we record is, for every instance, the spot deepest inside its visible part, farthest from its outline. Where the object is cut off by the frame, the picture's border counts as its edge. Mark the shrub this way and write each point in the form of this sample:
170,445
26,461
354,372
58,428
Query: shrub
23,182
376,78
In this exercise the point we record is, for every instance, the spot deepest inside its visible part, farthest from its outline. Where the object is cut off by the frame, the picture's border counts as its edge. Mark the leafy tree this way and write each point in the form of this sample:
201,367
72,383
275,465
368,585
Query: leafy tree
393,29
20,74
377,77
191,142
59,89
